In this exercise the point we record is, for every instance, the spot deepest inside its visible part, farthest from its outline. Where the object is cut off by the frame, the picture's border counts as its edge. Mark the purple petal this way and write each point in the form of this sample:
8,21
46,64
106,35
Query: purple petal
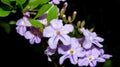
85,32
48,32
56,24
23,22
63,0
106,56
95,52
91,64
49,51
27,14
32,41
62,49
100,60
53,42
87,44
66,29
56,1
26,21
83,62
19,22
97,43
61,60
80,52
101,51
37,39
73,59
94,62
99,39
74,43
21,30
65,39
28,35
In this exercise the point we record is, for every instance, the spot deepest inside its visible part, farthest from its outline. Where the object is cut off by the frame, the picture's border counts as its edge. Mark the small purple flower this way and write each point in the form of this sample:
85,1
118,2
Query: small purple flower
57,1
90,39
21,25
91,58
72,53
34,35
56,31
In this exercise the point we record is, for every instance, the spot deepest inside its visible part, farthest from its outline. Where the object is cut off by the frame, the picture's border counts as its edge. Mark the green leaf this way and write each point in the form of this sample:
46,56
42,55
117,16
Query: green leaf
36,24
35,3
52,13
43,9
7,2
4,13
21,1
6,26
44,1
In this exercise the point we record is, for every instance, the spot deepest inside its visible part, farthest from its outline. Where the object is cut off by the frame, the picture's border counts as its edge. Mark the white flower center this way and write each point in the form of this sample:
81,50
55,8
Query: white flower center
23,22
91,38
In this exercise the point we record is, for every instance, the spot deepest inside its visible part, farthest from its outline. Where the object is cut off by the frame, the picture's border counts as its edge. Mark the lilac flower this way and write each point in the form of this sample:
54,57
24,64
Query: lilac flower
104,56
90,39
56,31
72,53
57,1
34,35
49,52
21,25
92,56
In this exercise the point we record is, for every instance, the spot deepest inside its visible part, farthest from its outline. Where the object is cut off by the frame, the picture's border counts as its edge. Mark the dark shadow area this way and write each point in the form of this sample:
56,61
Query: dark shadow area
104,16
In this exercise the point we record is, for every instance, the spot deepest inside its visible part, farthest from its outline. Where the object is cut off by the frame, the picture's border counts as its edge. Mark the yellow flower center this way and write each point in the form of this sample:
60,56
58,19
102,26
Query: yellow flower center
90,58
71,51
58,32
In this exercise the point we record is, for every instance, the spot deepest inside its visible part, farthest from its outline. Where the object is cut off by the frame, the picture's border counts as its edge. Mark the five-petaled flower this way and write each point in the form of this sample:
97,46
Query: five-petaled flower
75,50
34,35
56,31
90,39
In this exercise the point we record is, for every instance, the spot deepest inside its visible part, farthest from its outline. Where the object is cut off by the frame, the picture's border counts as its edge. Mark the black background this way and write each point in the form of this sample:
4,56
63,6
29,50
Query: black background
103,15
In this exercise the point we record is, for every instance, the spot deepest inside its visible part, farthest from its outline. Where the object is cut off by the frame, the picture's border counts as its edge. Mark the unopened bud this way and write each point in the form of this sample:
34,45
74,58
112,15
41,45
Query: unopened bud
74,15
62,12
78,24
83,23
69,19
64,19
91,30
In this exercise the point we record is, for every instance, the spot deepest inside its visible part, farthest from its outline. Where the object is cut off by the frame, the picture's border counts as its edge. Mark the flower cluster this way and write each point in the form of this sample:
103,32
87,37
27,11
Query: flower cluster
84,51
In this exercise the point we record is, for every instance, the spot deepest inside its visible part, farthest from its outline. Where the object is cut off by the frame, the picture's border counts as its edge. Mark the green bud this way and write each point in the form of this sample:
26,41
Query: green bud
74,15
64,19
78,24
83,23
91,30
69,19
